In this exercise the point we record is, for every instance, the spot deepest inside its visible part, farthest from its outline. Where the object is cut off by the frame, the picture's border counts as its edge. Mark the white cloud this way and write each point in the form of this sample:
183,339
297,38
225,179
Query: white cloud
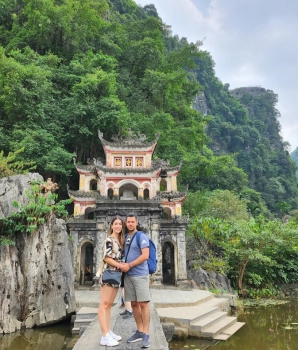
253,42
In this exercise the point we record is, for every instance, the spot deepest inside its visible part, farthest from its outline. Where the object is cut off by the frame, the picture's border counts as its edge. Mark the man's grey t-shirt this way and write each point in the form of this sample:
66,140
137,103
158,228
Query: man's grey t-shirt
134,253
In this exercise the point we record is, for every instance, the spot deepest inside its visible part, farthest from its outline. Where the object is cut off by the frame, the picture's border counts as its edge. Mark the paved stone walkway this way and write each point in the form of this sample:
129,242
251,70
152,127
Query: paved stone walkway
126,327
159,297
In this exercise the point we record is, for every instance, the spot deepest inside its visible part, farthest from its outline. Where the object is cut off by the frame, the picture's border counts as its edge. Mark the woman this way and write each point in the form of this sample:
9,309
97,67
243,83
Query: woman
113,251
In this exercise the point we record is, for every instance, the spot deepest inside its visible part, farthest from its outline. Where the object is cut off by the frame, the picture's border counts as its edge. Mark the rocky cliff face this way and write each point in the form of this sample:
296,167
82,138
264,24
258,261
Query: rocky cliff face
208,280
36,275
13,188
200,104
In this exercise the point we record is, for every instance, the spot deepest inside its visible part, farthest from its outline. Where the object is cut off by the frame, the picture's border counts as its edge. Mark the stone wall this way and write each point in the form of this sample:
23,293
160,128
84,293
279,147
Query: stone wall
36,275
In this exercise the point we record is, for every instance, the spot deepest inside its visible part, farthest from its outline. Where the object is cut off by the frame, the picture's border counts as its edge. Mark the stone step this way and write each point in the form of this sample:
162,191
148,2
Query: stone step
183,316
226,333
75,330
200,298
198,326
78,325
91,304
221,303
83,318
83,322
86,312
218,327
90,283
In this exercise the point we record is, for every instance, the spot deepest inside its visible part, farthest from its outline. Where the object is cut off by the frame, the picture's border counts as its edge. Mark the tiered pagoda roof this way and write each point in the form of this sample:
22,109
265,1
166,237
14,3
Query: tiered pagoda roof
130,142
87,196
172,196
157,165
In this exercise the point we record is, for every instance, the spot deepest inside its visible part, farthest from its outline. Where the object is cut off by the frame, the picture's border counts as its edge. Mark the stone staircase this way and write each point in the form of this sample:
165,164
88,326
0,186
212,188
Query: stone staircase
207,318
83,318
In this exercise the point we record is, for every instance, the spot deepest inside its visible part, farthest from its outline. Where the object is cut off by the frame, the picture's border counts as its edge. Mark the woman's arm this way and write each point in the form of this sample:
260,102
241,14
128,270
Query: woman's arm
112,262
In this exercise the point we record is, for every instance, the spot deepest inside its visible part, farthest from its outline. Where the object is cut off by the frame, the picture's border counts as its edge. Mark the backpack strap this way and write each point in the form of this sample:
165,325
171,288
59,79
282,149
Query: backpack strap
138,238
129,244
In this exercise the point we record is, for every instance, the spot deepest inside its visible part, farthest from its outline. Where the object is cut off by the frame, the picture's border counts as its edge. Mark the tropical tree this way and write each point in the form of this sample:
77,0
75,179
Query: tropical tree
9,165
253,249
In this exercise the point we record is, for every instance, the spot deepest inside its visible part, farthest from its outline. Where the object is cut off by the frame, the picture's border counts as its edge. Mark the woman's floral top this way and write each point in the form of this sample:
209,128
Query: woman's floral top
112,249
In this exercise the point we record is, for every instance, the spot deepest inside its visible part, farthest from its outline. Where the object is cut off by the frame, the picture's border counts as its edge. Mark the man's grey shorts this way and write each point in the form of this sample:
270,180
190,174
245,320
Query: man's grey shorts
136,288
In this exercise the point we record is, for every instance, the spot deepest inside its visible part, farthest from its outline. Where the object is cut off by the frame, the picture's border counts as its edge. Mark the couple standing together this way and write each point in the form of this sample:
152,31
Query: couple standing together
136,281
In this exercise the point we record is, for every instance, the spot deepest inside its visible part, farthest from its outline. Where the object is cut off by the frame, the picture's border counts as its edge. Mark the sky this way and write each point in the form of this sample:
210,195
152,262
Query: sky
253,43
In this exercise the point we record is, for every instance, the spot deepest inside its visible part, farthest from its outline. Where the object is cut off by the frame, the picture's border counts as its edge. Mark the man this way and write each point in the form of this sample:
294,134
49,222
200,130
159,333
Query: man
136,280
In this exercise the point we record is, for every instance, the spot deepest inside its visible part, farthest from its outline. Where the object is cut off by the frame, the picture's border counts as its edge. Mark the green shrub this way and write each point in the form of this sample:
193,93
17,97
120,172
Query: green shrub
28,217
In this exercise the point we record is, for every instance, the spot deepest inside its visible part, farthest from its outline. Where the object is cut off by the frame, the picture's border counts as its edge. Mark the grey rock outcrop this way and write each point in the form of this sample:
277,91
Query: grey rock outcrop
210,280
36,274
200,104
168,329
13,188
203,279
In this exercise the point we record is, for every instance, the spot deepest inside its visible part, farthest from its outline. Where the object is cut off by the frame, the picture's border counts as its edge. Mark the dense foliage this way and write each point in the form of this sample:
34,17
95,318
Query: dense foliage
244,123
10,166
71,67
257,254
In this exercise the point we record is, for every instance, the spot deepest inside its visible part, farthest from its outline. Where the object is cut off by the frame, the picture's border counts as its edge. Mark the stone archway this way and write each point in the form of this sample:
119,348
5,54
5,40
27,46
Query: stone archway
163,185
110,193
93,185
146,193
86,258
89,213
168,263
167,213
128,191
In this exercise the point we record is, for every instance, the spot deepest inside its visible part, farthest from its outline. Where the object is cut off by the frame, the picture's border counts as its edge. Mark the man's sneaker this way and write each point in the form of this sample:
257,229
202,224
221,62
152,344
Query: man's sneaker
138,336
125,313
108,341
145,341
115,336
128,315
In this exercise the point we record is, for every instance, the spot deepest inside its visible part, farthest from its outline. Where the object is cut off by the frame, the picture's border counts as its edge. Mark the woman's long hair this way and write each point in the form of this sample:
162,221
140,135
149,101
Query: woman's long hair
122,234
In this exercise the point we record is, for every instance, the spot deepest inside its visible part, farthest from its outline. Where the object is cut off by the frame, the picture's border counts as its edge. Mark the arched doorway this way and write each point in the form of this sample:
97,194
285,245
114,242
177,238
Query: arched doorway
86,260
163,185
128,192
89,213
110,193
93,185
146,193
167,213
168,263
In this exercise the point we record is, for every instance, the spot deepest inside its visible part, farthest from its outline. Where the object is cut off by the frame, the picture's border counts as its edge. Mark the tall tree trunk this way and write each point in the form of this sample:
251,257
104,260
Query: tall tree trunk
241,273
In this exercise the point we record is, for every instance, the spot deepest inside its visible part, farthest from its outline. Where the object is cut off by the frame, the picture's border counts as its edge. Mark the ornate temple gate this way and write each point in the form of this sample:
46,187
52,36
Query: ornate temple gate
130,181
